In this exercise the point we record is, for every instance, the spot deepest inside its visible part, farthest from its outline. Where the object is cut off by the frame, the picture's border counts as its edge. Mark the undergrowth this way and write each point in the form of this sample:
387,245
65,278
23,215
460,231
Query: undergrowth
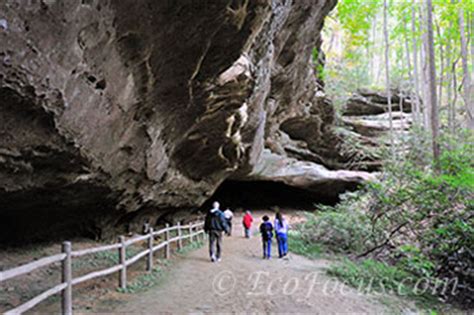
146,280
300,246
106,257
378,278
415,224
189,247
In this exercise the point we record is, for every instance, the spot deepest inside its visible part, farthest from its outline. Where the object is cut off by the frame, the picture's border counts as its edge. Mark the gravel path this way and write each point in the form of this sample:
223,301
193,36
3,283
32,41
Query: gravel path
245,283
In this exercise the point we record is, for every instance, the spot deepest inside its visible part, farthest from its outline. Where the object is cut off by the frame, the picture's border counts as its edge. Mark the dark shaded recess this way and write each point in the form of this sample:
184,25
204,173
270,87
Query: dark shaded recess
53,214
42,201
265,195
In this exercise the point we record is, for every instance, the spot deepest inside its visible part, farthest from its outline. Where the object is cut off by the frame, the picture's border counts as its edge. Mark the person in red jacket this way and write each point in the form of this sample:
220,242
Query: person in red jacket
247,222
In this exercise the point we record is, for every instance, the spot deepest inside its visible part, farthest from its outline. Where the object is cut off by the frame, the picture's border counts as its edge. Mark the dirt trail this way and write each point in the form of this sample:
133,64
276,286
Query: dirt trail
294,284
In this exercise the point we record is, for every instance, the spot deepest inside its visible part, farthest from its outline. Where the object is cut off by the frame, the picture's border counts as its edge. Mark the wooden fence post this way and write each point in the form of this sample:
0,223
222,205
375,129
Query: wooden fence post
67,278
199,237
123,258
180,241
167,238
149,265
191,238
203,238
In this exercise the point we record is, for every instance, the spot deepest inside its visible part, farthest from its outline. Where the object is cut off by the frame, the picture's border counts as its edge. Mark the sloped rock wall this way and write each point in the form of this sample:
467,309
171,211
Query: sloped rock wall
114,108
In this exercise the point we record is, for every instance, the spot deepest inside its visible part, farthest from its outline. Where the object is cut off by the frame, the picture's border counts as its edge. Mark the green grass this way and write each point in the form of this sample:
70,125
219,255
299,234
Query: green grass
298,245
368,276
189,247
373,277
145,281
110,257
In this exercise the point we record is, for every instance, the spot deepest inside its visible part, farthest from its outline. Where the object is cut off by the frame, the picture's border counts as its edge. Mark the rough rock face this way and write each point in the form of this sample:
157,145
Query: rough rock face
367,102
366,112
366,123
110,110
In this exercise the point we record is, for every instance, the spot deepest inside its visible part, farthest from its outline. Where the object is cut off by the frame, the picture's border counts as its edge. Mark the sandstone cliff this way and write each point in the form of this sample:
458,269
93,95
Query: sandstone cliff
111,109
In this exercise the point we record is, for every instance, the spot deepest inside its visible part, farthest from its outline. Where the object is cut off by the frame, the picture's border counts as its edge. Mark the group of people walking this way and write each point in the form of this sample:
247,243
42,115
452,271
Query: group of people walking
280,229
218,222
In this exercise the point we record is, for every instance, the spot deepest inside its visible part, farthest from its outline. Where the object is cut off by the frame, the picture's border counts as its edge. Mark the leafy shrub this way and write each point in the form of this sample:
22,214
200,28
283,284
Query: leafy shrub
341,232
301,246
417,218
414,261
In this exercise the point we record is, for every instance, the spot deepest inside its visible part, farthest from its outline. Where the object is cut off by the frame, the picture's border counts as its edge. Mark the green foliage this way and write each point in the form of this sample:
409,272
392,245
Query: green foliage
374,277
99,259
113,256
144,281
298,245
341,232
457,167
356,17
319,65
353,42
418,218
414,261
189,247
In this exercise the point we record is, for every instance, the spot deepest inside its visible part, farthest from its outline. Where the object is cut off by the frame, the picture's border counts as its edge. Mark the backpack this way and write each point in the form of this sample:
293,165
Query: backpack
267,230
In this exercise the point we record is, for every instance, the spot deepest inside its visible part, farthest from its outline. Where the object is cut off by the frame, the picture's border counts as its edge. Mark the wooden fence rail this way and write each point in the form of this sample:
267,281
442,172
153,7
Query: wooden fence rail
192,231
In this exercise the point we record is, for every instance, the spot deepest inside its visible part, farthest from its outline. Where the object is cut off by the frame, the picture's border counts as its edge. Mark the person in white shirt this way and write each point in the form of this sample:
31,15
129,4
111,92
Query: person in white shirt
228,215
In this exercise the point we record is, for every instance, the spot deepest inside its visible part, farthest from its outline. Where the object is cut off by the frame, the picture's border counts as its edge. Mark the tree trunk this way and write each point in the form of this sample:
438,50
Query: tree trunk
466,74
415,64
441,74
424,73
410,76
387,70
449,94
455,96
432,84
471,30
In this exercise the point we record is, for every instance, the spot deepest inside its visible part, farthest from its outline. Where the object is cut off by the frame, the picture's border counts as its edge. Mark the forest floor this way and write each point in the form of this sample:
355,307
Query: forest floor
245,283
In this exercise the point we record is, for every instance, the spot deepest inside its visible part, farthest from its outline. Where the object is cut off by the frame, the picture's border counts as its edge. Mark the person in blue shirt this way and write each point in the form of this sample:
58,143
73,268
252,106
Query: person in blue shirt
266,230
281,232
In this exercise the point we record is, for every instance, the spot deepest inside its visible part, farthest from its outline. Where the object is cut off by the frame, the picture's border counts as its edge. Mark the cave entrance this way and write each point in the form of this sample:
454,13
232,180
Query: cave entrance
266,195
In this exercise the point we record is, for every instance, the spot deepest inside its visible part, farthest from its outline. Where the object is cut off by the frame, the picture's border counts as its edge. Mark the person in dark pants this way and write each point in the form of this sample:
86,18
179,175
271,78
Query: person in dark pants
266,230
214,225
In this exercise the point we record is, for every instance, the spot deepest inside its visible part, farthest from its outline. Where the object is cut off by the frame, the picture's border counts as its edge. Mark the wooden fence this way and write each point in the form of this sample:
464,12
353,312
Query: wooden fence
191,231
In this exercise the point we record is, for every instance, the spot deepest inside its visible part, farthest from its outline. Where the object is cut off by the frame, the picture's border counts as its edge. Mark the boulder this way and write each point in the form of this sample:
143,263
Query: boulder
368,102
377,125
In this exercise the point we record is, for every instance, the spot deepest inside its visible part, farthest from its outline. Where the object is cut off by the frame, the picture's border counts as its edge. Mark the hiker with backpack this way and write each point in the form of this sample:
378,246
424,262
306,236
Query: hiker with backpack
266,230
214,224
281,232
